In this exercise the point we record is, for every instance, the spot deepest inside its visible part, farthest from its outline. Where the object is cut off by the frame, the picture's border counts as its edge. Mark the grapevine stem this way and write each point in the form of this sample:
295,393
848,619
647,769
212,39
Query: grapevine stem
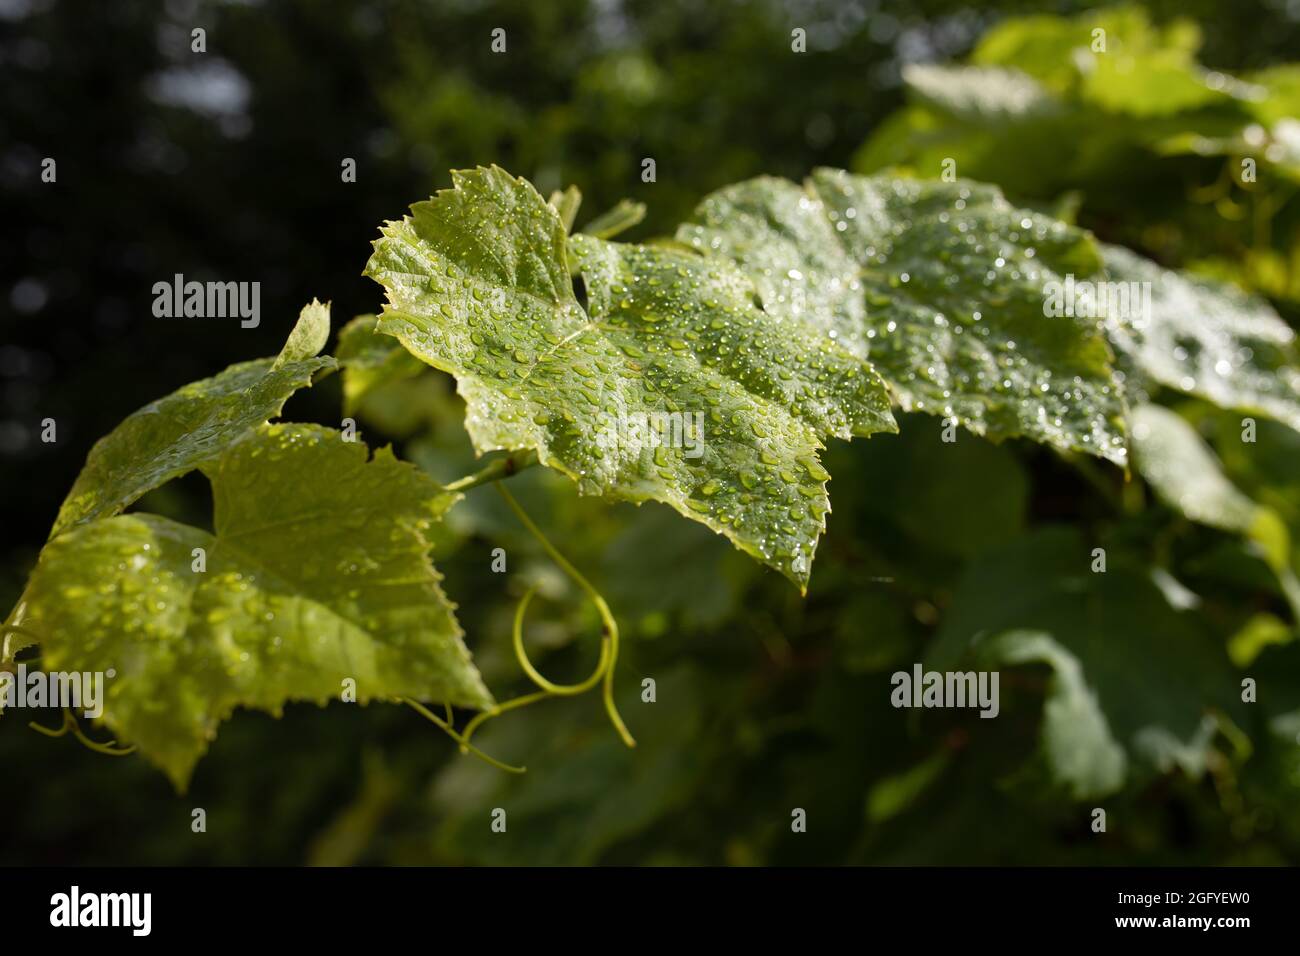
450,731
495,470
70,724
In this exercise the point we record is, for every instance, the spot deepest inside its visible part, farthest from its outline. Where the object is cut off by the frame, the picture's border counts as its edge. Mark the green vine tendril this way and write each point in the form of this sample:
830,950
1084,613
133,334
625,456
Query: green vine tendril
604,672
70,725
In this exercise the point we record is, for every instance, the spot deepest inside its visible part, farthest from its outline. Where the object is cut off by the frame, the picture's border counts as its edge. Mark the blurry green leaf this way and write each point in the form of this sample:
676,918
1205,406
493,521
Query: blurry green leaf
1059,51
192,426
478,283
1077,742
941,285
318,571
1182,469
371,360
1153,84
1281,93
1154,671
979,94
893,795
614,221
1204,337
1259,632
1184,472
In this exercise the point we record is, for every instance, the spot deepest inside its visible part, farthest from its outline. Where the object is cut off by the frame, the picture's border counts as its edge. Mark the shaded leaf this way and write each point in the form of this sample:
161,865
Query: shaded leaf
1184,472
1156,672
371,360
1076,739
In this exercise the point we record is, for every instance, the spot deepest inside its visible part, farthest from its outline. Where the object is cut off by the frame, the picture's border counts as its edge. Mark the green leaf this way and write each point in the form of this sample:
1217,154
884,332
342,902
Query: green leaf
1063,51
478,283
317,571
1183,471
371,360
1076,739
1156,672
979,94
941,285
308,336
614,221
567,204
1206,338
192,426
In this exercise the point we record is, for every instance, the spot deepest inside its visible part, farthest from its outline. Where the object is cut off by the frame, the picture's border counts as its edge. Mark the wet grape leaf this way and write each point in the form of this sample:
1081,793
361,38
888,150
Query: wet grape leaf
942,286
671,384
1206,338
308,335
317,572
193,425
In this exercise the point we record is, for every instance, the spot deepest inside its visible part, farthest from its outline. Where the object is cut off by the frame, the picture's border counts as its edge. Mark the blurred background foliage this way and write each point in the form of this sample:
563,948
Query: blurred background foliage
227,165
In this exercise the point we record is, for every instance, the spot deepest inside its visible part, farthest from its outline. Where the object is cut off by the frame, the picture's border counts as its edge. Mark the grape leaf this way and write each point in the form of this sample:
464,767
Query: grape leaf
1076,739
1062,52
1206,338
941,286
308,335
193,425
317,571
1183,471
1156,672
672,384
370,360
979,94
616,220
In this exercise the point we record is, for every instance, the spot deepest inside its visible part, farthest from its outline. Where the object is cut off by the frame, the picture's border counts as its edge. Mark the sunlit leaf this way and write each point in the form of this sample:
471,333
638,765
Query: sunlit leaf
671,384
941,286
193,425
317,573
1204,337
